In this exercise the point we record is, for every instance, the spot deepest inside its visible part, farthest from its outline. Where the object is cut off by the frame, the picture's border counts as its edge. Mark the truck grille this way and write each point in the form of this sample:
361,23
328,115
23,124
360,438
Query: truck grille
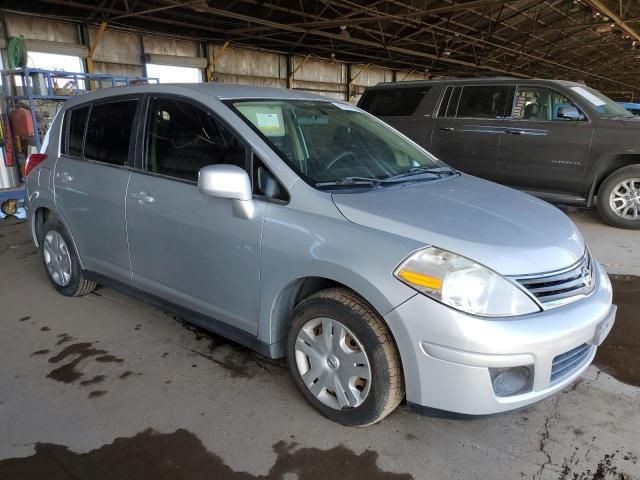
566,363
562,287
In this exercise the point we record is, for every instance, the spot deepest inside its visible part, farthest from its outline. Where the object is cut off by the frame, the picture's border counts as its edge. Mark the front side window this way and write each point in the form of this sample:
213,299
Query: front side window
393,102
109,132
332,142
540,104
182,138
75,122
483,101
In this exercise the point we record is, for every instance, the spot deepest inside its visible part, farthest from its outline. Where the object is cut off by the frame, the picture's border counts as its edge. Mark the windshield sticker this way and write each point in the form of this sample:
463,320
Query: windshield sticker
268,121
345,106
589,96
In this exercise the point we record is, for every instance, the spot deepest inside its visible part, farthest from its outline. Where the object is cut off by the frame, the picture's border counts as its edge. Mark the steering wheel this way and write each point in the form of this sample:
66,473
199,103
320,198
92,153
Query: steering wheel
341,157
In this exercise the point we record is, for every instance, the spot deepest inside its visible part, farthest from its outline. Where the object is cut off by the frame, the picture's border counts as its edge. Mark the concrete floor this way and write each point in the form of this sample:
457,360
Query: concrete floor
153,399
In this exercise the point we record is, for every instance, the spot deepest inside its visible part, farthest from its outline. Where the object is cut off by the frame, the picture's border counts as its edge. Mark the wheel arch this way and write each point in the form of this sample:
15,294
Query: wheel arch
41,213
608,166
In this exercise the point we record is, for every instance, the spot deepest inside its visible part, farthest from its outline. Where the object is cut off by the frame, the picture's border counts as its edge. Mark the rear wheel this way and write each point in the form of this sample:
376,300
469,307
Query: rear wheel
61,261
619,198
343,358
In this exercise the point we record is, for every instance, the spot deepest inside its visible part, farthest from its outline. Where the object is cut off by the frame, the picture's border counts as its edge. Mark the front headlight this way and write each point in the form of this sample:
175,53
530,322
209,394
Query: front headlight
463,284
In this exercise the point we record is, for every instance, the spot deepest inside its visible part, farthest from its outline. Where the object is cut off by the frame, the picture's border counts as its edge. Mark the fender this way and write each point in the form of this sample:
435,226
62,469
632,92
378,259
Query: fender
608,163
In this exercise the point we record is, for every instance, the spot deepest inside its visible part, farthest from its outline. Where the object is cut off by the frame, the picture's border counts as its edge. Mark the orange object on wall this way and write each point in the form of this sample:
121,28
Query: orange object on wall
22,122
8,142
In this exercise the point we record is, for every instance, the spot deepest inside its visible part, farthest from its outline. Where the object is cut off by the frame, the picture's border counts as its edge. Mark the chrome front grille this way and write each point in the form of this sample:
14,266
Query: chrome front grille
566,363
559,288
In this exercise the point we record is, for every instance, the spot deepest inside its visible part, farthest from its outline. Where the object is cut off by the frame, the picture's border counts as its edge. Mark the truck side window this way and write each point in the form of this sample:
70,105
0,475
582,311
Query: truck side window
181,138
483,101
452,108
393,102
539,104
445,102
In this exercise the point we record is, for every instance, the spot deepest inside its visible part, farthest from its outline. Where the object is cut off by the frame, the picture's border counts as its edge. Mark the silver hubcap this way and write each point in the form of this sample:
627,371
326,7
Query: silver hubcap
625,199
332,363
57,258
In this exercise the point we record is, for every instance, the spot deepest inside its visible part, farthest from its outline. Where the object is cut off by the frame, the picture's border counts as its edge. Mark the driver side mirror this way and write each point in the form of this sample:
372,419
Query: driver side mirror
228,181
570,113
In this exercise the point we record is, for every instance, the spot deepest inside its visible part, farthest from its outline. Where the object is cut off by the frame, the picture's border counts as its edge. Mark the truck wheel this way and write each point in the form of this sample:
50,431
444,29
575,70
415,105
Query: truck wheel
343,358
619,198
61,261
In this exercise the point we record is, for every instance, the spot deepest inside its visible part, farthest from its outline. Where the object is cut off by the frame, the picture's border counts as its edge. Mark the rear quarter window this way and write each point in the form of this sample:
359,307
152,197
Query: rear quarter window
75,121
393,102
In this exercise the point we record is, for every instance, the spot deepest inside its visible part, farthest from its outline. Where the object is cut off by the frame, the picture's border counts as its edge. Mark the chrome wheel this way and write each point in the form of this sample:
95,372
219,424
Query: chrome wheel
625,199
57,258
332,363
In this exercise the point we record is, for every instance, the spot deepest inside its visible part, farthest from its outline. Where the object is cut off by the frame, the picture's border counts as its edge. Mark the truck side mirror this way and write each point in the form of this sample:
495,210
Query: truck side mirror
570,113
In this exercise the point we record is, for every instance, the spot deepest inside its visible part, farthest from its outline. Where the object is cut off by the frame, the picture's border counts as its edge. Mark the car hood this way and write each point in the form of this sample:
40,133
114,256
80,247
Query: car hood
506,230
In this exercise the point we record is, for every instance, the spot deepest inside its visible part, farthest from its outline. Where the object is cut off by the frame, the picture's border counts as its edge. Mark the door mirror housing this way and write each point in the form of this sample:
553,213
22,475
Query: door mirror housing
570,113
228,181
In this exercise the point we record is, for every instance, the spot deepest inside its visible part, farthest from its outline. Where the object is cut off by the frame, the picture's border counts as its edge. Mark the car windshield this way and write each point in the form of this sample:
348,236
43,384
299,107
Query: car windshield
601,103
332,143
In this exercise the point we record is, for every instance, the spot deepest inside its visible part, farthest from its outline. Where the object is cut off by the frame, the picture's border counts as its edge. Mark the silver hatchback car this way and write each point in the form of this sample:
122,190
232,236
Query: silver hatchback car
301,226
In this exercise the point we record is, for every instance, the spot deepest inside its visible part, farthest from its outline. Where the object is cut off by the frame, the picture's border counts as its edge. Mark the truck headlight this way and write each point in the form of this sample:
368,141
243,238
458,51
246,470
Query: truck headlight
463,284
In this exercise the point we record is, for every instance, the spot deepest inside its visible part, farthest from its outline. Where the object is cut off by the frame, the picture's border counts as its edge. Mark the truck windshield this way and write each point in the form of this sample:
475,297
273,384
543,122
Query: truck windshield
333,143
601,103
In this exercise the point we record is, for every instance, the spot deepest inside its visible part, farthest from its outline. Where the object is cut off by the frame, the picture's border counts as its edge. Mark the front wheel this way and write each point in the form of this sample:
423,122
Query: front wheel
619,198
343,358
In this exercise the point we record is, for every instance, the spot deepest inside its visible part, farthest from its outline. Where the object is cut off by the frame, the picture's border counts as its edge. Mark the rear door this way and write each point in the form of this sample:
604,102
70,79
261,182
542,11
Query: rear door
90,182
541,150
187,247
467,132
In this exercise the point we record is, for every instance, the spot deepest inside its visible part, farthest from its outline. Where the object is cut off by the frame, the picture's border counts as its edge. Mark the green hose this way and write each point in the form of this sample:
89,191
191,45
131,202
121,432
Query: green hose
17,52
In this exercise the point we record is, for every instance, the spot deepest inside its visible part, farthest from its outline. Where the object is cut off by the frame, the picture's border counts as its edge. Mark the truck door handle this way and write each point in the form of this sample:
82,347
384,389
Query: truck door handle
447,129
514,132
142,197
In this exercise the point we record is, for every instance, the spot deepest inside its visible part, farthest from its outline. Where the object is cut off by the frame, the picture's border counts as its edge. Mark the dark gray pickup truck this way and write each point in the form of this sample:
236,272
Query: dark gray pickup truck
561,141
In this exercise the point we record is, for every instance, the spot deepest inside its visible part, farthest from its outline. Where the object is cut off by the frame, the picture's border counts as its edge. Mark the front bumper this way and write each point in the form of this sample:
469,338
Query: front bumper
446,354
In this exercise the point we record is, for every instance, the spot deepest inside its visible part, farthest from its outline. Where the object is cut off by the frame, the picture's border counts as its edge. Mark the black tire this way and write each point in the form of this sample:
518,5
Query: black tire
387,381
78,285
604,192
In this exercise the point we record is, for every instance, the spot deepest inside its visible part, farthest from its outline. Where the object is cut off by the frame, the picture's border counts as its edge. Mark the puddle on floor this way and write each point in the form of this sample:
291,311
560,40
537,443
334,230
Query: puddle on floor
619,355
181,455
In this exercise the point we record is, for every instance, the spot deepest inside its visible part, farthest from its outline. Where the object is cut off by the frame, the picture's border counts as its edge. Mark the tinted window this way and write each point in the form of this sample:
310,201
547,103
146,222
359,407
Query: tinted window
452,108
537,103
445,102
75,121
109,132
483,102
182,138
396,102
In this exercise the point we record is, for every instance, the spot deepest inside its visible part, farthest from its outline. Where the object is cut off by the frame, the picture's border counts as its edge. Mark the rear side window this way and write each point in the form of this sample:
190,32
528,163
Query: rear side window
445,102
75,122
109,132
483,101
452,108
393,102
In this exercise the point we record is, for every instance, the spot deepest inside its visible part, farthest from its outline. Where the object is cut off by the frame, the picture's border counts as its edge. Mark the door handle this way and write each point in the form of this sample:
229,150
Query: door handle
514,132
142,197
65,177
447,129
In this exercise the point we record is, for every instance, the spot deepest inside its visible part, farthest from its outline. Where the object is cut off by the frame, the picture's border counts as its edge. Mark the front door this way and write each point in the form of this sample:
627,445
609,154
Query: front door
90,182
187,247
467,133
542,150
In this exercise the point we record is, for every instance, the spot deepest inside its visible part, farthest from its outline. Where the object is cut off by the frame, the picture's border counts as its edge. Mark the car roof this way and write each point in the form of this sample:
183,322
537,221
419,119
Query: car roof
473,81
220,91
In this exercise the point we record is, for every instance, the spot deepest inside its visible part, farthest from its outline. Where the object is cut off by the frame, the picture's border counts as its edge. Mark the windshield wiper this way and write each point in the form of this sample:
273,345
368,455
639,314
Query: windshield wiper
437,171
349,181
